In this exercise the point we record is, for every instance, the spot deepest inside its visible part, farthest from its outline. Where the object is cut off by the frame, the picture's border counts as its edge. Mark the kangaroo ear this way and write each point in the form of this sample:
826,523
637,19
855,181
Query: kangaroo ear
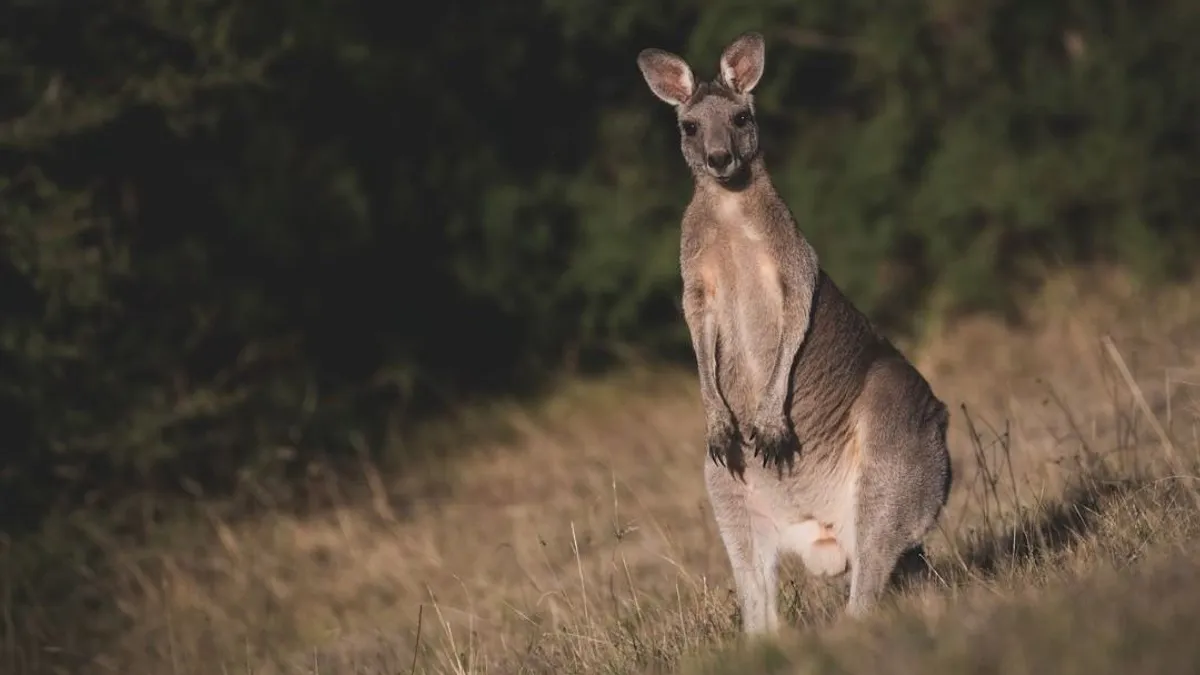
669,77
742,62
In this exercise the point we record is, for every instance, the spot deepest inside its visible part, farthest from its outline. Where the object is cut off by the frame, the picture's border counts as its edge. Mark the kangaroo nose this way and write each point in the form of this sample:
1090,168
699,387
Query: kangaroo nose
719,160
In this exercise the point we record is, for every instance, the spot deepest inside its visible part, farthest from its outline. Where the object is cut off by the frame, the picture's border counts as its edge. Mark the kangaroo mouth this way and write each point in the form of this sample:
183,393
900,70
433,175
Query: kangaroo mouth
731,176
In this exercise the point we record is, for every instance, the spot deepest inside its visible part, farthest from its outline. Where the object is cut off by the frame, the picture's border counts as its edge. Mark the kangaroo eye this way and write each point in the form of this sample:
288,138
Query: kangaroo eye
689,128
741,119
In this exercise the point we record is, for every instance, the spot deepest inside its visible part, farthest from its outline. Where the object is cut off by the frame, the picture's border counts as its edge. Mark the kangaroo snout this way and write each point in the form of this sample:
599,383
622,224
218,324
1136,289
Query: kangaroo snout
719,160
722,164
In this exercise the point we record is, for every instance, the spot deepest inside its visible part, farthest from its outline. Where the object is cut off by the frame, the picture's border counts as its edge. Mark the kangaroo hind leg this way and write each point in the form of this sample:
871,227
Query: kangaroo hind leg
903,482
752,543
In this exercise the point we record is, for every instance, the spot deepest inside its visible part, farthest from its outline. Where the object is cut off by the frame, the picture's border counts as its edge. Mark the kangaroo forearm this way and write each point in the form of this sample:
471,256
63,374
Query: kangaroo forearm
704,343
790,340
795,314
798,285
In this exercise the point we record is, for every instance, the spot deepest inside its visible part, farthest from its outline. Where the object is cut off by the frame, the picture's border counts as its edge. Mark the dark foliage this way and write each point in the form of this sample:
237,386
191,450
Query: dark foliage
242,234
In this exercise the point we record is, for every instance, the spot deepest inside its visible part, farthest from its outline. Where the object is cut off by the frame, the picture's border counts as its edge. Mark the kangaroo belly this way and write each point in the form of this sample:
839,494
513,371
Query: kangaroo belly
757,328
811,514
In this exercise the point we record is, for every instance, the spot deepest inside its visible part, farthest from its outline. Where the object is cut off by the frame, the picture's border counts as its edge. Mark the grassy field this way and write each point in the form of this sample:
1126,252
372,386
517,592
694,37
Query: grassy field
577,537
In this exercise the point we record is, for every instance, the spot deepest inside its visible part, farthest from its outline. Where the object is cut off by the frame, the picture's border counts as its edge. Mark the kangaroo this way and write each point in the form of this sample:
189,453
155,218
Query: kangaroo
852,468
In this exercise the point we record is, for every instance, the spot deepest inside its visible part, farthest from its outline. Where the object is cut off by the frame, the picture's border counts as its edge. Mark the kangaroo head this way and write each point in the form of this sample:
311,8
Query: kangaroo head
718,131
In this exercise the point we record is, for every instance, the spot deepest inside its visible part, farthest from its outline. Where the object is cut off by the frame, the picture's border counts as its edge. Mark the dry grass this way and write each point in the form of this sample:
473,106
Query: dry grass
583,542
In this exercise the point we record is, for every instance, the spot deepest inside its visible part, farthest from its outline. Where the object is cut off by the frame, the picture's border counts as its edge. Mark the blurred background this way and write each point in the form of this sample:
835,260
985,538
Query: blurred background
242,239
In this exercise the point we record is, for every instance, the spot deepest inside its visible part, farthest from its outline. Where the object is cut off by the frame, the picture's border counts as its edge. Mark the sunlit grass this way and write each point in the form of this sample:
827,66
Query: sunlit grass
580,541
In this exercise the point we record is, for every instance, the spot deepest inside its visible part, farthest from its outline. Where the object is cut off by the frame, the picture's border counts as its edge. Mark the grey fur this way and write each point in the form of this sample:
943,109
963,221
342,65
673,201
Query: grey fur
852,468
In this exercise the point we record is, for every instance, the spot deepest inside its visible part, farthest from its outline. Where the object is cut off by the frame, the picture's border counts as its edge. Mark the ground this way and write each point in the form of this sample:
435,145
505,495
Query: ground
580,540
